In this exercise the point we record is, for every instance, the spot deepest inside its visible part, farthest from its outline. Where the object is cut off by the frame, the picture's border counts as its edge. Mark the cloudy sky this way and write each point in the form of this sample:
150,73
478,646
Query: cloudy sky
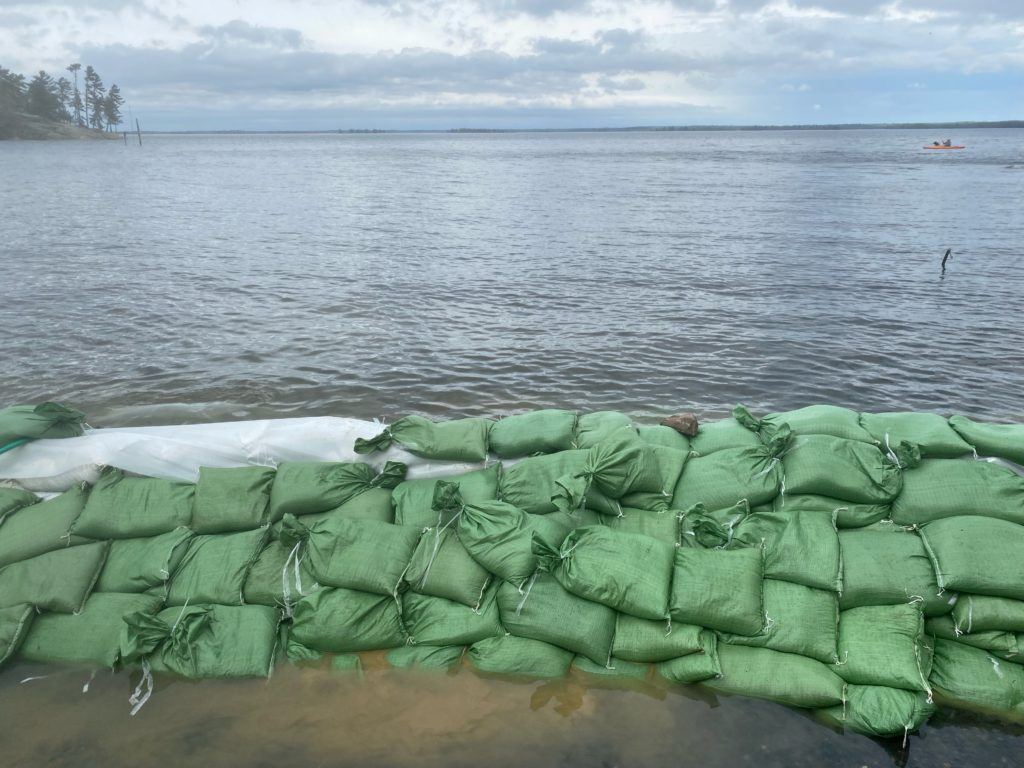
312,64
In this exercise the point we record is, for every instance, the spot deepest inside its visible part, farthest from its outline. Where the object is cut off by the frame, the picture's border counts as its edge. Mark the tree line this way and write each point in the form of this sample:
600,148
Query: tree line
92,106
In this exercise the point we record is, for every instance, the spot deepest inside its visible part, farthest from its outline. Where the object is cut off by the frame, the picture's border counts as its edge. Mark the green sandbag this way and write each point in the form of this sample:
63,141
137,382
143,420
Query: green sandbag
719,589
799,546
436,621
1005,441
615,669
233,499
546,611
971,678
879,711
458,440
979,555
694,667
273,569
625,571
13,499
58,581
714,529
531,483
365,555
981,613
593,428
214,568
425,657
666,437
822,420
847,515
519,657
499,537
41,527
662,526
939,488
122,507
799,620
787,678
851,470
644,640
308,487
20,423
544,431
374,504
1004,645
15,622
202,641
347,662
89,637
882,645
345,621
414,499
728,476
138,565
929,431
726,434
442,567
888,566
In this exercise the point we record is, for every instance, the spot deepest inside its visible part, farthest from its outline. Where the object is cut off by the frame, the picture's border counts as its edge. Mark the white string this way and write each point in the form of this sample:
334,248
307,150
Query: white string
892,455
519,608
85,688
285,589
139,698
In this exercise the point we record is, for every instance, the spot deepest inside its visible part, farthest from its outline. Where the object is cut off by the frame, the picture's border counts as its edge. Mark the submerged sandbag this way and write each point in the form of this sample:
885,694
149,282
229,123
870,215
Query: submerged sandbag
414,499
879,711
458,440
850,470
439,622
202,641
1005,441
340,620
15,622
783,677
939,488
90,636
883,645
58,581
21,423
519,657
645,640
425,656
214,568
43,527
123,507
308,487
528,434
232,499
138,565
979,555
929,431
719,589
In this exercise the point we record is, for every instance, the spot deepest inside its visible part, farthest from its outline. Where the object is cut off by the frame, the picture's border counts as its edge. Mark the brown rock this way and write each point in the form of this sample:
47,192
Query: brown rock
683,423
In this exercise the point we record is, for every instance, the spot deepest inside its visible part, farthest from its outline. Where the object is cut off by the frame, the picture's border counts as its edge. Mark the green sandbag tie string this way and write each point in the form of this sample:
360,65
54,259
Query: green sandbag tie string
447,499
390,476
380,442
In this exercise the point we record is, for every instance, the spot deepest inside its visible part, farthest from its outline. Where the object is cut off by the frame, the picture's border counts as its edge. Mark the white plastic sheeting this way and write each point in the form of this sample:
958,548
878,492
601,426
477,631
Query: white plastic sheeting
177,452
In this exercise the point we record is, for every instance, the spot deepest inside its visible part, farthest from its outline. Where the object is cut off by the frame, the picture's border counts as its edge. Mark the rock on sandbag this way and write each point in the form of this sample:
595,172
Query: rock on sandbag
204,641
929,431
15,622
850,470
91,636
939,488
883,645
879,711
414,499
979,555
140,565
58,581
308,487
786,678
232,499
981,613
649,641
214,568
434,621
719,589
799,620
345,621
529,434
20,423
799,546
457,440
442,567
625,571
971,678
888,566
43,527
1005,441
546,611
513,656
122,507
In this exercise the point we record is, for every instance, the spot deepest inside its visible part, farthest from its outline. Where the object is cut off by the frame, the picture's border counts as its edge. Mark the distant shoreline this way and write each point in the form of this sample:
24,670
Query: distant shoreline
625,129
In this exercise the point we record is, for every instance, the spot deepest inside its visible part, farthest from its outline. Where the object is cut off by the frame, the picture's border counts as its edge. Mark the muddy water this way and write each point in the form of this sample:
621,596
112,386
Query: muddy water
382,717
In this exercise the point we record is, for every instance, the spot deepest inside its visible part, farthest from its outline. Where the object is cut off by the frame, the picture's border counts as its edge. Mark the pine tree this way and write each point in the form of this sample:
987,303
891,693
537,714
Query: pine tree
94,95
76,99
64,94
12,91
43,100
112,107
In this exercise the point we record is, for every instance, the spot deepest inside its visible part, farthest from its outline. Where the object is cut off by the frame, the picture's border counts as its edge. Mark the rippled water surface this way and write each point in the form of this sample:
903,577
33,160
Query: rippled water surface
372,275
212,277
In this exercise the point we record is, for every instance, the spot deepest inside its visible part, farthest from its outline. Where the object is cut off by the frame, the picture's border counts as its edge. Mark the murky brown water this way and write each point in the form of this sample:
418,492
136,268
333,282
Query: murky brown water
384,717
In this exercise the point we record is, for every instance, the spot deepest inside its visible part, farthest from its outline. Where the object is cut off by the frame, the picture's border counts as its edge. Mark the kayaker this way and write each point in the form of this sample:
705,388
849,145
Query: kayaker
947,143
936,144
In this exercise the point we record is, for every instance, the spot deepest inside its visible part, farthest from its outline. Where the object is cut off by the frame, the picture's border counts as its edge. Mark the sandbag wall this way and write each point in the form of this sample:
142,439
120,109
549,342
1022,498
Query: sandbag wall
862,565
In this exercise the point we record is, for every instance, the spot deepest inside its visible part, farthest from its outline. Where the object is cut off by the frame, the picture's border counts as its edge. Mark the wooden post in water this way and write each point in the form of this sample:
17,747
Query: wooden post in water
138,131
124,134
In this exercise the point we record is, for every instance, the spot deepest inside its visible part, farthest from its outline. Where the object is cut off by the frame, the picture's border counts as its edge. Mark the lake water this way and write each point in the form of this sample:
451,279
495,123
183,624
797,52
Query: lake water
201,278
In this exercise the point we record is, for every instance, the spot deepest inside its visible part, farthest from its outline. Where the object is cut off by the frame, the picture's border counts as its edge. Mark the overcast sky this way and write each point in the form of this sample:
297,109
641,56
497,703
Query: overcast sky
312,64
